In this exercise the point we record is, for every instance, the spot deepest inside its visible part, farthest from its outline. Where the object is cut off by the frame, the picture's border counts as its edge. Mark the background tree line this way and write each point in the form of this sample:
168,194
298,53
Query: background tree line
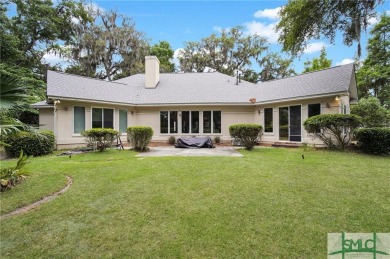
107,45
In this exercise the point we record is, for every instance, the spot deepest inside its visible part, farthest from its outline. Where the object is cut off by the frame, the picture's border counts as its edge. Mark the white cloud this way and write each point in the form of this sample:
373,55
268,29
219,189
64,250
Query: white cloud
271,14
176,55
373,21
262,29
345,61
188,31
94,8
53,58
388,12
220,29
217,28
314,47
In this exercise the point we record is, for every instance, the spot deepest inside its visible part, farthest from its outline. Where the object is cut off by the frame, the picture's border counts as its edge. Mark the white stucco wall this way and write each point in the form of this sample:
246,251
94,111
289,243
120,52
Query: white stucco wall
46,118
150,116
328,106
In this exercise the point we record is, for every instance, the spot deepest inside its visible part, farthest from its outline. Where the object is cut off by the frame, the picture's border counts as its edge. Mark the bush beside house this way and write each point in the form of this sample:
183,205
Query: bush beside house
100,139
246,134
335,130
139,137
31,143
374,140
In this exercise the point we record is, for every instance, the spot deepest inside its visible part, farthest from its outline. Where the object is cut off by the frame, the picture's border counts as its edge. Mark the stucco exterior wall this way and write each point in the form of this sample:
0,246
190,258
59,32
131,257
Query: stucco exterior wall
328,106
64,119
46,118
150,116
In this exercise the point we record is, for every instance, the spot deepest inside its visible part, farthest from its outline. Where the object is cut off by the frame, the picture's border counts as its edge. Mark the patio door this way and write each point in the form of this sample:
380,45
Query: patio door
290,123
295,123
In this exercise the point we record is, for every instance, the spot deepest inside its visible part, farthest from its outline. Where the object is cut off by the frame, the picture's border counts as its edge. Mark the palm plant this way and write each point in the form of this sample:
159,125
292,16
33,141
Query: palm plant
13,94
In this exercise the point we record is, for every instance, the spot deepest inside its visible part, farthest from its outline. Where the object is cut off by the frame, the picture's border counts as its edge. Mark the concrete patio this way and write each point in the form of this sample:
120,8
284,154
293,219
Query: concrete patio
172,151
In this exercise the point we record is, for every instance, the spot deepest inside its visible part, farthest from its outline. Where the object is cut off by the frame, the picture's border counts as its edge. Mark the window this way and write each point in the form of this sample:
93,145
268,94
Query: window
168,122
122,121
78,119
216,121
212,122
102,118
194,122
314,109
207,122
173,122
164,122
268,120
190,122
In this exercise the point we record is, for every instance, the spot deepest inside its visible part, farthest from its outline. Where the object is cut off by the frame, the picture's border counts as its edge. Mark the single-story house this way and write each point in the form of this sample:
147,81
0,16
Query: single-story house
193,104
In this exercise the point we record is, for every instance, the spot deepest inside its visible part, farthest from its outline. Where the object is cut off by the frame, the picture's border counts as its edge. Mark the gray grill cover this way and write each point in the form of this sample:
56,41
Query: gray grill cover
194,143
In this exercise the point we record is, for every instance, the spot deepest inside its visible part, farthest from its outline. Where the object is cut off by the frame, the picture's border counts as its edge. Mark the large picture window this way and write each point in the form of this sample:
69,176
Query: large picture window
122,121
102,118
268,120
211,121
168,122
190,122
78,119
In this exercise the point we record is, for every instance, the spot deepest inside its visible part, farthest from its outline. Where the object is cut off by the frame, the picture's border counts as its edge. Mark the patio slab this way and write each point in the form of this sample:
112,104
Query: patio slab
172,151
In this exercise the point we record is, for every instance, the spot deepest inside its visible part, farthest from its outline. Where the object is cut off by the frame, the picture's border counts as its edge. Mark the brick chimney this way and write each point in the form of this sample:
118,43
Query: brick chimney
152,71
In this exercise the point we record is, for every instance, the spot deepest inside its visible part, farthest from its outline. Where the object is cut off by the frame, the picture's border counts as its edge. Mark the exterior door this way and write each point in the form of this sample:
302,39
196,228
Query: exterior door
283,123
295,123
290,123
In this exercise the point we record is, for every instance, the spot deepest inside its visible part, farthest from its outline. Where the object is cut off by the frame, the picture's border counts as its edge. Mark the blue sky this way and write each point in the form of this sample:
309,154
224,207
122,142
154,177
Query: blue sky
181,21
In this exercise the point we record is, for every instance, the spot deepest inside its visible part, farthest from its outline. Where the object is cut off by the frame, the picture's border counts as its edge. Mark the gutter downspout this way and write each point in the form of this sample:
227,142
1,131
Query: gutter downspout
56,102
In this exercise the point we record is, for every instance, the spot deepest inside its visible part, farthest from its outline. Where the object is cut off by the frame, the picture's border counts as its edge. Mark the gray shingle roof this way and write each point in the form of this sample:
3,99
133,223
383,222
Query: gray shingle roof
199,88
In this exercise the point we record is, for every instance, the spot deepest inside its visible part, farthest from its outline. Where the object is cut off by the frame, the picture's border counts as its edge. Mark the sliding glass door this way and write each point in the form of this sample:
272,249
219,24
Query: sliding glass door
283,123
290,123
295,123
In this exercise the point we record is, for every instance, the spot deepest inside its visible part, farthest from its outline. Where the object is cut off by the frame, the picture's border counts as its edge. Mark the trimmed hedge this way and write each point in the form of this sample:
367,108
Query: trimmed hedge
374,140
31,143
100,138
247,134
139,137
335,130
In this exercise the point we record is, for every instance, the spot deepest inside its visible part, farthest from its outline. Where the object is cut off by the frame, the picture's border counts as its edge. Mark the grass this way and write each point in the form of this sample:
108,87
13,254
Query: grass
270,203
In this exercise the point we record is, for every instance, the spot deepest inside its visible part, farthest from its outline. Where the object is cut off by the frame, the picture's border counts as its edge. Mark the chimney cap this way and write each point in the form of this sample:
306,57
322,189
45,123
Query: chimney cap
152,58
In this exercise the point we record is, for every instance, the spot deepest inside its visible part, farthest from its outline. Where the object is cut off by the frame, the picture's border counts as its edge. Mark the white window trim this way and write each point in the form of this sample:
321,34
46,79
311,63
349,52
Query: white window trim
273,119
169,122
85,116
302,128
211,121
119,121
113,116
190,122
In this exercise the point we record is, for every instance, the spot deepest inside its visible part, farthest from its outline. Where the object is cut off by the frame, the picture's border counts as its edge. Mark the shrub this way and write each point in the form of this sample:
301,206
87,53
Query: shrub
139,137
10,176
374,140
247,134
99,138
371,111
335,130
31,143
171,140
217,139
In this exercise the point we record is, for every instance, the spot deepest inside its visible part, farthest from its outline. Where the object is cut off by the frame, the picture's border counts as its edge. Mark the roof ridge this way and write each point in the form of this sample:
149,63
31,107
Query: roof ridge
101,80
310,72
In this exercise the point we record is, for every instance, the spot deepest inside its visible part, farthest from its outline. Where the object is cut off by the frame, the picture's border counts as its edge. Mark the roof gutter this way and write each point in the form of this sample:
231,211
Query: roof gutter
88,100
341,93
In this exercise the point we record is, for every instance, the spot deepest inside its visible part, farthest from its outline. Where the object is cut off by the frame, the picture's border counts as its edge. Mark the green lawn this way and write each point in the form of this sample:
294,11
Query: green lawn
270,204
